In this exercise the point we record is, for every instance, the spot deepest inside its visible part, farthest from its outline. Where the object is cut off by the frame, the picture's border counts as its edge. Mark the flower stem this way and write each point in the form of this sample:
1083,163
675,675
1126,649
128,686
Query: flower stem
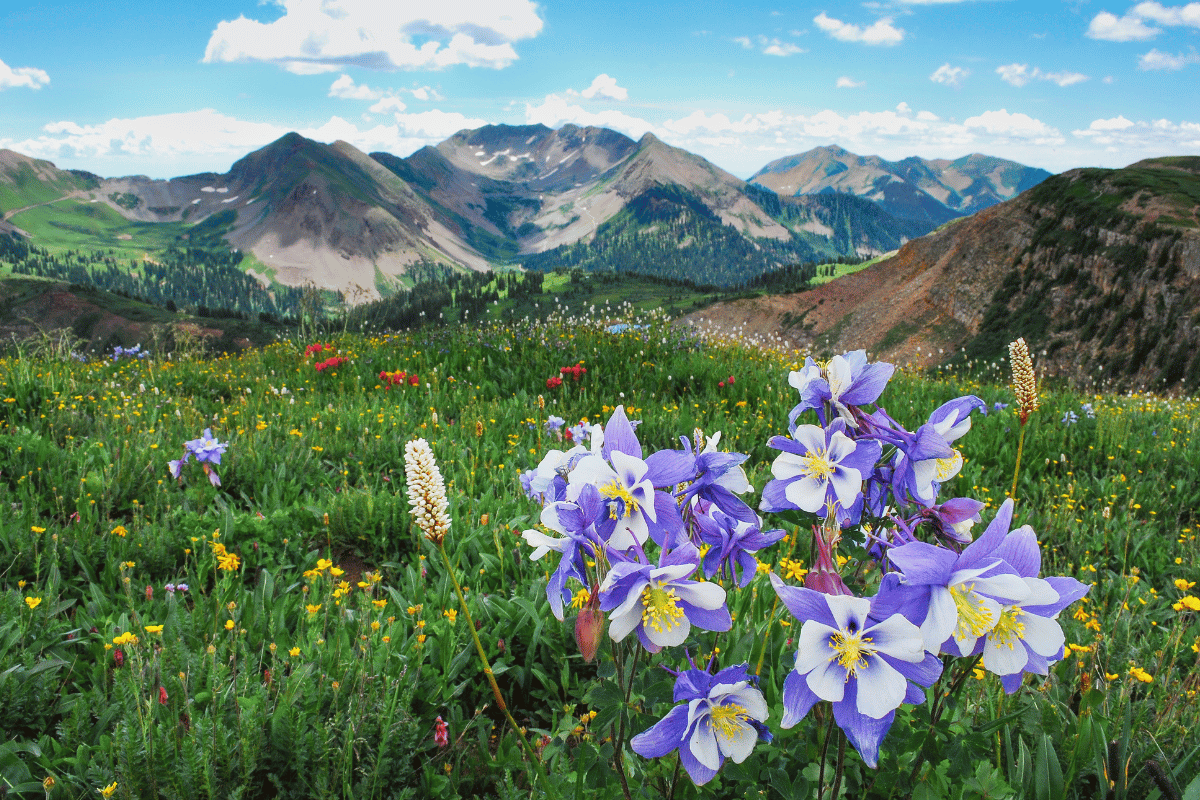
1017,468
487,671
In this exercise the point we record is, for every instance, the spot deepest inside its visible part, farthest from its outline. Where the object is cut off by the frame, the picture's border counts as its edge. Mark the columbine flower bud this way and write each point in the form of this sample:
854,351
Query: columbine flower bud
1023,379
426,491
589,628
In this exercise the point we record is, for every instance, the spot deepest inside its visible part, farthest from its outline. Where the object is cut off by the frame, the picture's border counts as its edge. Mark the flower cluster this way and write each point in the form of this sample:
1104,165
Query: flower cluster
206,450
554,382
135,352
576,372
317,349
638,530
727,382
398,378
332,362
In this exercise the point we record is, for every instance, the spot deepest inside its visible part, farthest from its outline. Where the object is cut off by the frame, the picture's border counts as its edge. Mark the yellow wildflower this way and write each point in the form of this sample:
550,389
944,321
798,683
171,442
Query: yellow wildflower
120,531
295,651
33,602
153,628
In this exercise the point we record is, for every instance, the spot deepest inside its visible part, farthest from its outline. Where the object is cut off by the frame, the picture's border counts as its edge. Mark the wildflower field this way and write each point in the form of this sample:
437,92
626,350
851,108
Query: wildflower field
216,579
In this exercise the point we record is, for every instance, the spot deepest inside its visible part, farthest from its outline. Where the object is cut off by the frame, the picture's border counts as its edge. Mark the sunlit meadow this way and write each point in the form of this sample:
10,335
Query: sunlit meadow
264,618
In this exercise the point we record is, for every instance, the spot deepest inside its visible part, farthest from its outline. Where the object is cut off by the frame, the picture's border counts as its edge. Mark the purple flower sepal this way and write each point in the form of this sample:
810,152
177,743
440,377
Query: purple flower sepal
865,668
723,718
660,603
844,383
207,449
576,523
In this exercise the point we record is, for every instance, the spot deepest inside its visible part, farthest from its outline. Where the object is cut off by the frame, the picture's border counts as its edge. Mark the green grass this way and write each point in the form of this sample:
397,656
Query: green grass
846,269
74,224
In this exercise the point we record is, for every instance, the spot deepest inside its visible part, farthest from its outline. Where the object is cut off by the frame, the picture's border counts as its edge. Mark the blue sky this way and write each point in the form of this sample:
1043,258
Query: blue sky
166,89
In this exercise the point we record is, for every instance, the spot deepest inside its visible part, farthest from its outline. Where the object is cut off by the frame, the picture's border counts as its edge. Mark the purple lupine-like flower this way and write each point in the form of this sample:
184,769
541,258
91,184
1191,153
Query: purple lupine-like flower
864,667
660,603
818,469
843,382
732,542
576,522
956,598
723,718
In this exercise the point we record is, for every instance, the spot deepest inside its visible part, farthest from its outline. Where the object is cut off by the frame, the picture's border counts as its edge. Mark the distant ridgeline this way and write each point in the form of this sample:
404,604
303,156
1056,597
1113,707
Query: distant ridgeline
180,277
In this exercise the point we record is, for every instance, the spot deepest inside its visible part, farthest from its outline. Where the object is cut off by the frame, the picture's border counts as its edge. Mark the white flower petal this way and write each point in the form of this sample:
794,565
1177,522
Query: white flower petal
941,619
703,745
739,743
1044,636
810,437
1004,657
702,594
673,634
813,646
898,638
881,688
806,493
828,681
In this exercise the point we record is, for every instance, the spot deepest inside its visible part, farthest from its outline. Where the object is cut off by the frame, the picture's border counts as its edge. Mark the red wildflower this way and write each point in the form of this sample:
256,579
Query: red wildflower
119,657
553,383
413,380
162,695
149,592
441,733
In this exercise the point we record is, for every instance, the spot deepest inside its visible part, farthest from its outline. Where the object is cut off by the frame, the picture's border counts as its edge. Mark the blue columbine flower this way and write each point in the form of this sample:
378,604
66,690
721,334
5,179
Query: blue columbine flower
576,522
660,603
1027,637
956,598
723,718
207,449
843,382
865,668
818,469
732,542
1070,418
636,511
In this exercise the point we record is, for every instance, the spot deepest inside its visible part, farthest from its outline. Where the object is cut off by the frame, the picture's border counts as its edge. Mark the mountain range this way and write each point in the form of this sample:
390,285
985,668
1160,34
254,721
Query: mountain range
541,198
1096,268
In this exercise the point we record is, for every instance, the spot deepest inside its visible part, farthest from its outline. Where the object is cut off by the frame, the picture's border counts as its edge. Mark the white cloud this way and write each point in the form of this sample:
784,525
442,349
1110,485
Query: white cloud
436,125
1006,126
846,82
882,32
28,77
950,76
1141,139
1019,75
556,110
604,86
769,47
167,145
1157,59
388,104
1168,15
345,88
316,36
1111,28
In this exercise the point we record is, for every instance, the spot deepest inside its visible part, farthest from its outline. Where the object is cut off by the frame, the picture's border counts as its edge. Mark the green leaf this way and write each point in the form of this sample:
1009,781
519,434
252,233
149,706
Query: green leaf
1047,773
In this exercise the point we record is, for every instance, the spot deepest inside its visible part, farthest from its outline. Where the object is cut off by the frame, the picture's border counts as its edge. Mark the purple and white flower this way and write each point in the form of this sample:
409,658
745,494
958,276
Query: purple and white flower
841,383
723,718
660,603
818,469
865,668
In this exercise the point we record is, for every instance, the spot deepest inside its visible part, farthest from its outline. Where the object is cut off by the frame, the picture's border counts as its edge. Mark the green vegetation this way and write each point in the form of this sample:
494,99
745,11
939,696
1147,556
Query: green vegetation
273,679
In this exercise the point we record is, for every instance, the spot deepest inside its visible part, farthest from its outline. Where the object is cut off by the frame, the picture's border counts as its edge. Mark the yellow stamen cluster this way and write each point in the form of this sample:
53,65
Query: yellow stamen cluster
974,618
1023,379
816,465
661,608
426,491
851,650
728,719
1009,629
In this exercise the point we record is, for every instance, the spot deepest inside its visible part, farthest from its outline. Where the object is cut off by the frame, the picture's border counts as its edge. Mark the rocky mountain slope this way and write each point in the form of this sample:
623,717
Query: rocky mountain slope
931,191
530,196
1096,268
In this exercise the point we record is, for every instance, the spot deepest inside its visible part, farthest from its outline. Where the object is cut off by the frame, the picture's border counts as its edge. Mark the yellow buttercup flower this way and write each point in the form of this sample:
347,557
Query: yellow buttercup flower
229,624
153,628
312,609
33,602
108,791
295,651
120,531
